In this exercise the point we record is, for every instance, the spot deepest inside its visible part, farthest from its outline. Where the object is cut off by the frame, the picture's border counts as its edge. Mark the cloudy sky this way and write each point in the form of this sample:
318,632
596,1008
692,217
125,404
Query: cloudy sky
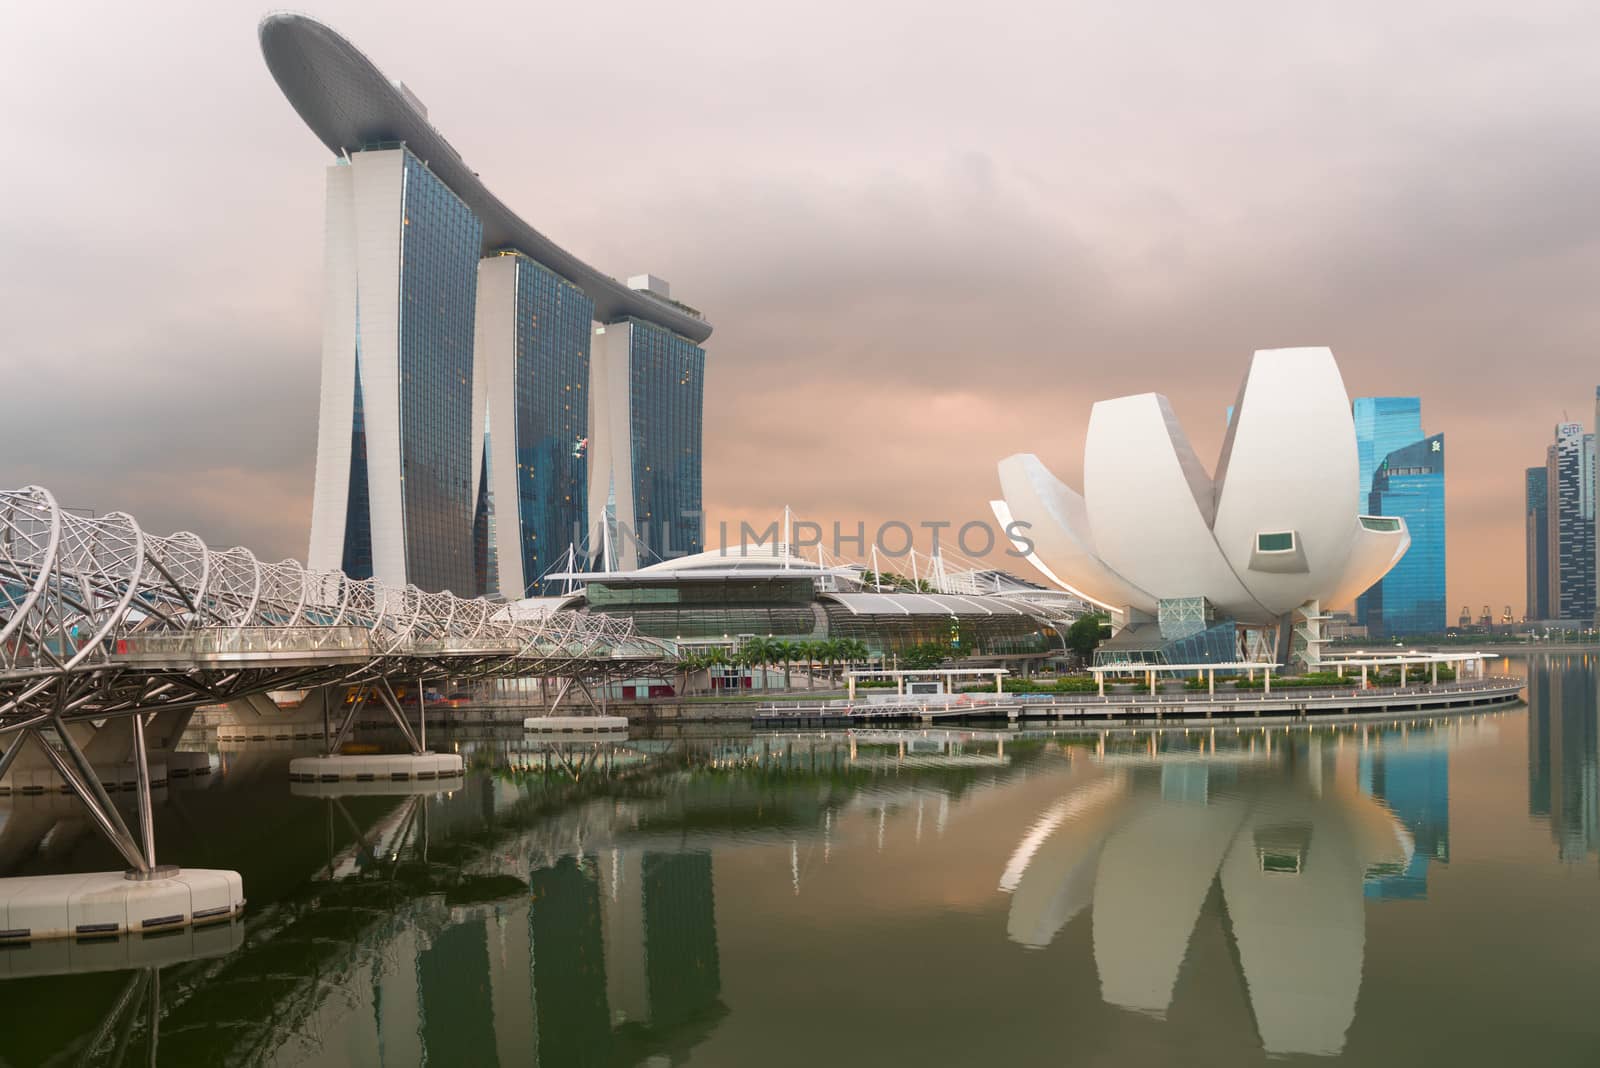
928,238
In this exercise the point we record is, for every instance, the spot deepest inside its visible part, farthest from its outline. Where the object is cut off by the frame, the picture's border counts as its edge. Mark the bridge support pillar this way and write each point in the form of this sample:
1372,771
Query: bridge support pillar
392,703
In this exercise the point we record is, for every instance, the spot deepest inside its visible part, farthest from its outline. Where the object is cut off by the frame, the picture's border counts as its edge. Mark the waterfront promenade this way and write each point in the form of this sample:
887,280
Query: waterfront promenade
1163,705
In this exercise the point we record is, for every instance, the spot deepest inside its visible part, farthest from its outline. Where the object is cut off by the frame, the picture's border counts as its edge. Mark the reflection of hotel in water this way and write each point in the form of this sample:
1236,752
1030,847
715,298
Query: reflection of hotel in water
1563,754
613,958
1276,846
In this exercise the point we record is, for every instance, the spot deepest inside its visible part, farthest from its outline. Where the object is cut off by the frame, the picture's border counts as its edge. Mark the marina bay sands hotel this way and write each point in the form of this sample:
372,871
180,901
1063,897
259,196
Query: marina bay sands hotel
488,399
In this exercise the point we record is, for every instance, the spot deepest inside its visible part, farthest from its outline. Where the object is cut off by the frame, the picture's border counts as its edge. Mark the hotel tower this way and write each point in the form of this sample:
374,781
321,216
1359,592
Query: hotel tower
493,409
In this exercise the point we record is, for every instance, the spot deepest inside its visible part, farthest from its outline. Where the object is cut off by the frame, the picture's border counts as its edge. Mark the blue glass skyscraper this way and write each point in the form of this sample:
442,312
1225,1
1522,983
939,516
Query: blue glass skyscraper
1411,598
533,350
1383,424
645,490
1401,474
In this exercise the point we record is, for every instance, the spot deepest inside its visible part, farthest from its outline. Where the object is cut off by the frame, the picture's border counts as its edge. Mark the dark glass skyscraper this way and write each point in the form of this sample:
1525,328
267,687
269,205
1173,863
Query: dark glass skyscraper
533,346
645,489
1569,473
1402,474
1536,522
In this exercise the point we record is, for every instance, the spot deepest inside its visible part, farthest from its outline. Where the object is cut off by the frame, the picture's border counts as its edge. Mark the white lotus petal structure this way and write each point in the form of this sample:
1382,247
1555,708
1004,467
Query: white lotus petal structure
1277,528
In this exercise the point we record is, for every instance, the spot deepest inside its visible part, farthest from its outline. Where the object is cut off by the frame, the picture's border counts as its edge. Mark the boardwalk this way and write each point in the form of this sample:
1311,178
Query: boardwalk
1293,703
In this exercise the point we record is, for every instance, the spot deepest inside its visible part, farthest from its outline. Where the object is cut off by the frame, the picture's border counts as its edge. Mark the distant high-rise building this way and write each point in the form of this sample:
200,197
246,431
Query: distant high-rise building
645,452
1536,524
1569,467
1401,473
1411,598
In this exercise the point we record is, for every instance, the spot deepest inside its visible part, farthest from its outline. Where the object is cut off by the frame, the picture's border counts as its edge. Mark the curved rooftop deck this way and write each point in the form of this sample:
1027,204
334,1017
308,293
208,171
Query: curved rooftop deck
350,104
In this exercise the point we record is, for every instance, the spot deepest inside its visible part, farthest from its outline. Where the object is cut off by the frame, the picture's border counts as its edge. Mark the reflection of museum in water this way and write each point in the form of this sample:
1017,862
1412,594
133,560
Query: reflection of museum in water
1279,847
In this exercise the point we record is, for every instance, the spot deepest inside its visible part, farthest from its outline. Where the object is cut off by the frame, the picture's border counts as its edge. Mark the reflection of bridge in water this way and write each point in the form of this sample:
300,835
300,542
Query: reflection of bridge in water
431,927
110,637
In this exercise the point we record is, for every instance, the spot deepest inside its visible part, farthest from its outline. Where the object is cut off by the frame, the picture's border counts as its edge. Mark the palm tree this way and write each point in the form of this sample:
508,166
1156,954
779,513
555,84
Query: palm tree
759,652
787,651
854,651
716,656
807,651
687,664
833,651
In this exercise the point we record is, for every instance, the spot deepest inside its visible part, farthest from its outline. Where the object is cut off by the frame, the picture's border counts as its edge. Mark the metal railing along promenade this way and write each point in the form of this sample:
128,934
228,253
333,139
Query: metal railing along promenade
1178,704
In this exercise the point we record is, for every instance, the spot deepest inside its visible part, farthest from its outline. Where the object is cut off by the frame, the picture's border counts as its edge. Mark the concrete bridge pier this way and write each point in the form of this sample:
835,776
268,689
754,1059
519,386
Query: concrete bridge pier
335,766
148,896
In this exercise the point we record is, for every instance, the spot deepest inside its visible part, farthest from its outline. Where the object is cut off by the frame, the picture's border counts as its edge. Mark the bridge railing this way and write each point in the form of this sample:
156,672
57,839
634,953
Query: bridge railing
354,643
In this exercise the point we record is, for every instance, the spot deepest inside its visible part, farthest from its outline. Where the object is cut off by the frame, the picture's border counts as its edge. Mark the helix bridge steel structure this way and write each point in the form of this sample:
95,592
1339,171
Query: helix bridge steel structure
100,620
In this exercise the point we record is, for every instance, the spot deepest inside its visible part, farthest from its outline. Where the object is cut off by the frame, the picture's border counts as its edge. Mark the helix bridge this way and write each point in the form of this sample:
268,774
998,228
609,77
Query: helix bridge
107,628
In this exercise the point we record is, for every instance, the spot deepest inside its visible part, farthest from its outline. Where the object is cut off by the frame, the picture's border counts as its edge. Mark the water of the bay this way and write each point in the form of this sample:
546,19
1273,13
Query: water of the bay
1405,893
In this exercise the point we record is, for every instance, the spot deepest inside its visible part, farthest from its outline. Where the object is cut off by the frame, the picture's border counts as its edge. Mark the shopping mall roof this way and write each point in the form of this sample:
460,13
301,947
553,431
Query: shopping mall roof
926,604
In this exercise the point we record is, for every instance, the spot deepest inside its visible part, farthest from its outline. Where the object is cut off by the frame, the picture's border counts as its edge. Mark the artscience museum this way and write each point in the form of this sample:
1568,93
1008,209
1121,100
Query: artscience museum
1202,567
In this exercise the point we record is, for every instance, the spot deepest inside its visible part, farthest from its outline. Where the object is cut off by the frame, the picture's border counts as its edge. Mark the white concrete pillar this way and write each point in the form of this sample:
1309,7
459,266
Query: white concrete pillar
1402,674
1152,683
1434,672
1100,677
1266,678
1211,682
1363,676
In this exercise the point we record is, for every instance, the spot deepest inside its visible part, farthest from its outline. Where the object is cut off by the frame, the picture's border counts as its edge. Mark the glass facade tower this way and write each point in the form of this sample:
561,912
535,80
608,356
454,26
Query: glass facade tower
645,486
1536,522
438,289
397,446
1389,440
533,347
1569,474
1383,424
1410,484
